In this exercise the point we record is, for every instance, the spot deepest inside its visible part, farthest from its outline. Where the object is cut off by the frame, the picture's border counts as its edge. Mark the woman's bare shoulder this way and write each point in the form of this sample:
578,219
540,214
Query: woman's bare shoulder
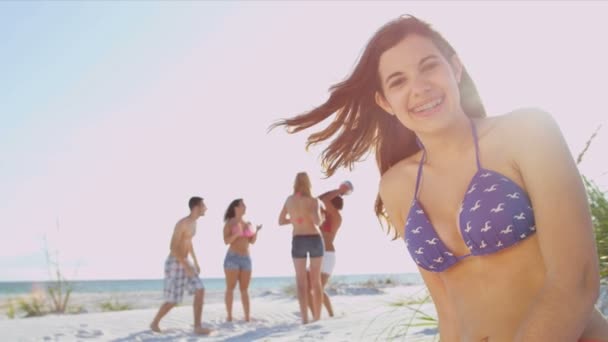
402,173
518,120
516,129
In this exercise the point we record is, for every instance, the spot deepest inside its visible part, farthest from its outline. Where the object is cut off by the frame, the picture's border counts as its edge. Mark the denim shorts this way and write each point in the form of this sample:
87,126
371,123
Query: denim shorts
303,245
234,261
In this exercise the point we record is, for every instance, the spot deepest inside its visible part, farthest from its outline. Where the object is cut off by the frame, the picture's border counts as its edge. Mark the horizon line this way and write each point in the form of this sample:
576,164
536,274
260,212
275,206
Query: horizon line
203,278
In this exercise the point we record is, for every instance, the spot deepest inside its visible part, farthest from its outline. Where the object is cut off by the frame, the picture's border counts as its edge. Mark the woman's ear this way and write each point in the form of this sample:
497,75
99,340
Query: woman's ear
456,67
382,103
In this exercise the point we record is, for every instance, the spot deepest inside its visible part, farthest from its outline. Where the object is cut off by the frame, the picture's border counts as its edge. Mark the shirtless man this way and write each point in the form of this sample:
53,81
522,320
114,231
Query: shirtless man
180,272
333,203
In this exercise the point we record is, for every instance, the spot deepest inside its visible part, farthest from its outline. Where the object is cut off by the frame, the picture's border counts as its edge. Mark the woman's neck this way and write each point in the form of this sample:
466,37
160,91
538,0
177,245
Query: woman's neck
449,144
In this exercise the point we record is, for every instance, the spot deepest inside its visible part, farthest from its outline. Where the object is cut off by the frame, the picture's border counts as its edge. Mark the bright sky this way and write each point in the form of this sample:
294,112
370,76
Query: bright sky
114,114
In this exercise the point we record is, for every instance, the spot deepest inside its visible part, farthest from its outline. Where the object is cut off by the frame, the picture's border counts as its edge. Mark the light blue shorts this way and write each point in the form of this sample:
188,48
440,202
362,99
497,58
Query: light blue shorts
234,261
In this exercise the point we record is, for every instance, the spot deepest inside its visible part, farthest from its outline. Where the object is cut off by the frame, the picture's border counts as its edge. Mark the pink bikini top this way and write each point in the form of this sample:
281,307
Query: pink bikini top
247,232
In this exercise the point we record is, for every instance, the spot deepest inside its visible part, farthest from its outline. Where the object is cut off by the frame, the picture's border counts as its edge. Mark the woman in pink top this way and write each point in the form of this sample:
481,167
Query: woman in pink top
238,234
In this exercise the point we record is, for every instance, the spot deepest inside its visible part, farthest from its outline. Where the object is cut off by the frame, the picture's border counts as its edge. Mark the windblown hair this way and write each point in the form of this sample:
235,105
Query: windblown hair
302,184
360,126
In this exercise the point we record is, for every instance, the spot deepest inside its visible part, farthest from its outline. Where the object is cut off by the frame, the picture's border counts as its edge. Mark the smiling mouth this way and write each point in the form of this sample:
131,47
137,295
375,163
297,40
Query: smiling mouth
427,107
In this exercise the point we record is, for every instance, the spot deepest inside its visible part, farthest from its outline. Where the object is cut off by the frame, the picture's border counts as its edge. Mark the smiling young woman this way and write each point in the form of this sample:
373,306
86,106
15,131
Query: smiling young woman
486,205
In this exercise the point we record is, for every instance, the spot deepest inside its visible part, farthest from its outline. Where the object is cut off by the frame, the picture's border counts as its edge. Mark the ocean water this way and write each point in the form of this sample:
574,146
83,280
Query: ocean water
258,284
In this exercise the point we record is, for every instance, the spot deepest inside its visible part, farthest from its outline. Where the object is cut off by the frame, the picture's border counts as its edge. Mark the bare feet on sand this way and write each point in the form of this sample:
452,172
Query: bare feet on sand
154,327
202,331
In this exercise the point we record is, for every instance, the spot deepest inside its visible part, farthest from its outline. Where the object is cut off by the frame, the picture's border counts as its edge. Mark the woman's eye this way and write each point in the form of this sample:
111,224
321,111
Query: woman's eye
397,82
429,66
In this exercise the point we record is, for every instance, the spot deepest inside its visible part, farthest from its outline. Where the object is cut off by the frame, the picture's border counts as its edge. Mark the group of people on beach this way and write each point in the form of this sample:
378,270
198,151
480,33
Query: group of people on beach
492,209
315,224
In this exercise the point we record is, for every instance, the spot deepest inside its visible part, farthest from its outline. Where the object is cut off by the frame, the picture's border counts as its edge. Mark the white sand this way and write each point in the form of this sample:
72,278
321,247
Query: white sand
358,317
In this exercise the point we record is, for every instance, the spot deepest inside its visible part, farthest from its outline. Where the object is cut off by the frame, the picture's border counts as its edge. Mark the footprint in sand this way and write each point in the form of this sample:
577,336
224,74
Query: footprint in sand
89,334
312,326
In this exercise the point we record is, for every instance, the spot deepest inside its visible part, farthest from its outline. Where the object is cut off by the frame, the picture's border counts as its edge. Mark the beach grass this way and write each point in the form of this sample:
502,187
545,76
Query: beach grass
416,316
114,305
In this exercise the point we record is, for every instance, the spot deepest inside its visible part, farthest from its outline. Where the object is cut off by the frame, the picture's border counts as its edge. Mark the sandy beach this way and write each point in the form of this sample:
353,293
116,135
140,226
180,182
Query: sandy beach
361,314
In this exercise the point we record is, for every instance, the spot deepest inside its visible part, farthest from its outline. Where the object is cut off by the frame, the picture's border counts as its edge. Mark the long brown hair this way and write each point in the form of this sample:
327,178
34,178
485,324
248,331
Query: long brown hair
360,125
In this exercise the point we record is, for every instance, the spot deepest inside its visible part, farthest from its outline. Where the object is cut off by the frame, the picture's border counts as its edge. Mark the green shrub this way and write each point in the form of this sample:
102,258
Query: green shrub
114,305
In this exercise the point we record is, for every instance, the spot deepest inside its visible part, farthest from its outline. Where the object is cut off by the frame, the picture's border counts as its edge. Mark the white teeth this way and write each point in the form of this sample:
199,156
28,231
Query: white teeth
427,106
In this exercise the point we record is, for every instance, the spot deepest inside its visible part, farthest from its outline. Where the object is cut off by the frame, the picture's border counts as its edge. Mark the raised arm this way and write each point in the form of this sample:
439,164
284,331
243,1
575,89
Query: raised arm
394,202
563,224
328,196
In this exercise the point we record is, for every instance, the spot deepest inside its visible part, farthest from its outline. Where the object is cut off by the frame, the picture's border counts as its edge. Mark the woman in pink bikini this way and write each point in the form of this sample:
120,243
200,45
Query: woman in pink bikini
303,212
238,234
491,209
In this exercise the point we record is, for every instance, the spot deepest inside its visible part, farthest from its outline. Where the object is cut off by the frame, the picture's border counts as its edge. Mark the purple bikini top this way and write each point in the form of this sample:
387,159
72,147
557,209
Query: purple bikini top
495,214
